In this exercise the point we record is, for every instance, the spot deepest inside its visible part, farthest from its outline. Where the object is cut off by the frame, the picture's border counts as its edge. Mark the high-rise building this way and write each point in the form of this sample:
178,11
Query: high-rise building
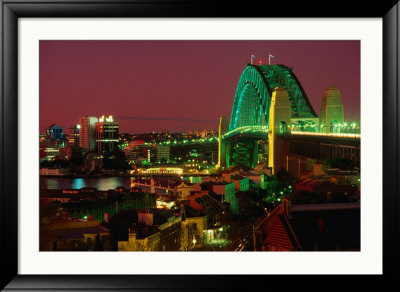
87,133
54,132
73,136
163,153
106,134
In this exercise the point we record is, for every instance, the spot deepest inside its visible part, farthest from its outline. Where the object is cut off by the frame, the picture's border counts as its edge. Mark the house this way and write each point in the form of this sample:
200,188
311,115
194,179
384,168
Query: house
241,183
310,227
155,230
183,190
72,235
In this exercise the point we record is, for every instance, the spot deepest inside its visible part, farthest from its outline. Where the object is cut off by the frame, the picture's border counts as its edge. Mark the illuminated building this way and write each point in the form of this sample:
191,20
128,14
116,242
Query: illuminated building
241,183
205,212
106,134
224,189
48,152
135,150
156,230
162,153
54,132
194,227
87,133
183,190
73,135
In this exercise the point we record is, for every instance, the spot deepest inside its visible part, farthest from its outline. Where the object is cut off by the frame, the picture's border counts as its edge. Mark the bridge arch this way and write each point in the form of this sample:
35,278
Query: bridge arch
253,95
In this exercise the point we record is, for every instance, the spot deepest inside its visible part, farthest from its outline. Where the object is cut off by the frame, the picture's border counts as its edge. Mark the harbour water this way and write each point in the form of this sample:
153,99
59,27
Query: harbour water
100,183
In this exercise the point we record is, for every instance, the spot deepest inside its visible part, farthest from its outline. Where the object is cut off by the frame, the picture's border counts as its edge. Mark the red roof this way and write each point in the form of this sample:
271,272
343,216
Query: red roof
278,235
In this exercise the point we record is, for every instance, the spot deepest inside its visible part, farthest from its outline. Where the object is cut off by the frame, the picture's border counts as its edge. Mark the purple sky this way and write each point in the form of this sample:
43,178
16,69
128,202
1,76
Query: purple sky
179,85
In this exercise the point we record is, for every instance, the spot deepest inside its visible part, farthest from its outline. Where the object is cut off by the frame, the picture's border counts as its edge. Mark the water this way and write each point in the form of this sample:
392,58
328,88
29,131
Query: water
100,183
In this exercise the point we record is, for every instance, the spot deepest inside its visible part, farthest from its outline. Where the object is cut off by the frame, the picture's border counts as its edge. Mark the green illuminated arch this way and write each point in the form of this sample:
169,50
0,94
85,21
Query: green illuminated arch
254,91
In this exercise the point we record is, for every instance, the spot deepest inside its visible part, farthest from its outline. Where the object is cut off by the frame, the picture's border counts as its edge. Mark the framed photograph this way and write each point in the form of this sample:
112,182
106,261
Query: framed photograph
198,146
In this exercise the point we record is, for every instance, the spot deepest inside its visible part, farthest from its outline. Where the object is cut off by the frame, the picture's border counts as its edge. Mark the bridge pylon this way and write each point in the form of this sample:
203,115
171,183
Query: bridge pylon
223,128
331,110
279,124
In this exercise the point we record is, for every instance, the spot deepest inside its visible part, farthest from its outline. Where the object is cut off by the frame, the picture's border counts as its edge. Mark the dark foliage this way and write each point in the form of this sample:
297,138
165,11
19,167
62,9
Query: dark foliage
119,226
305,197
115,160
337,162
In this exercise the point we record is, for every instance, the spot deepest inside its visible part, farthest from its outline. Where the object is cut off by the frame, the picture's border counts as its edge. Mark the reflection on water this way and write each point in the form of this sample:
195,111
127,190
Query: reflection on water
103,183
78,183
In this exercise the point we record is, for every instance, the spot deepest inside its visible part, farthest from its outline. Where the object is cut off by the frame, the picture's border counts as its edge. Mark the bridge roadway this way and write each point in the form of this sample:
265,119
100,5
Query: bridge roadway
315,145
322,147
262,132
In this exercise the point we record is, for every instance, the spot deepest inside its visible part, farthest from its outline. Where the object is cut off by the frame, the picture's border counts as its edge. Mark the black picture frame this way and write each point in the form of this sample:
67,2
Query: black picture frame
13,9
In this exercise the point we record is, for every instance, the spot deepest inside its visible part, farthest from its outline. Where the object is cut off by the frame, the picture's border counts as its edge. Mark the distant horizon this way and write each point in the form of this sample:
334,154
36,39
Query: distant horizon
178,86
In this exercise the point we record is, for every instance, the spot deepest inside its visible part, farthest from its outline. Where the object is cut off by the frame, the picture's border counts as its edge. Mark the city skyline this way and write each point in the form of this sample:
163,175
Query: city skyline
282,175
178,86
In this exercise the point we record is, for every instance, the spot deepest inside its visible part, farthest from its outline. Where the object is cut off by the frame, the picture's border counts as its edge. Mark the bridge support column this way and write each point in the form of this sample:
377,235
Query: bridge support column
331,110
222,145
279,124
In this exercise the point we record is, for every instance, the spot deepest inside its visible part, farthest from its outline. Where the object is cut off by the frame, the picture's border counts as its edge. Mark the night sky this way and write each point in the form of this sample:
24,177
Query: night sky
179,85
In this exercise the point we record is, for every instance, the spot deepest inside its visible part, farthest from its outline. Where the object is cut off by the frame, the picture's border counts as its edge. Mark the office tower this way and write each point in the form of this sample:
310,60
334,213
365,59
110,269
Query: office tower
106,134
163,153
73,136
87,133
54,132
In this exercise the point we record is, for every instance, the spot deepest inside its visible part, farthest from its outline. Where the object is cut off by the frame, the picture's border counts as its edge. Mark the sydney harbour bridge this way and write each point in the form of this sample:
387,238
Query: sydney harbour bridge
271,110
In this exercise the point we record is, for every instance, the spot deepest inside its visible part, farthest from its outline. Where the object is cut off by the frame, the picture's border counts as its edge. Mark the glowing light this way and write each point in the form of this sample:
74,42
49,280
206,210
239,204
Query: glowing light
343,135
109,119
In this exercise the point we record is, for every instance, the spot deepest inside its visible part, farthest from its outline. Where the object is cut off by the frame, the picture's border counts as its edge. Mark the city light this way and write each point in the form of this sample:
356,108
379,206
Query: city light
342,135
247,187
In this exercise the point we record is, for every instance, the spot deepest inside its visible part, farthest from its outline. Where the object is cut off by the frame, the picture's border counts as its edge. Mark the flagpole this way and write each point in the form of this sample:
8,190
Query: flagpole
252,58
269,58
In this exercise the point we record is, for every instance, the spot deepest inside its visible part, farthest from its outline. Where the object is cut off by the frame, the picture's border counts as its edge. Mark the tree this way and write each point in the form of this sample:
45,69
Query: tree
305,197
76,162
339,198
45,164
98,244
337,162
116,160
119,226
284,178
